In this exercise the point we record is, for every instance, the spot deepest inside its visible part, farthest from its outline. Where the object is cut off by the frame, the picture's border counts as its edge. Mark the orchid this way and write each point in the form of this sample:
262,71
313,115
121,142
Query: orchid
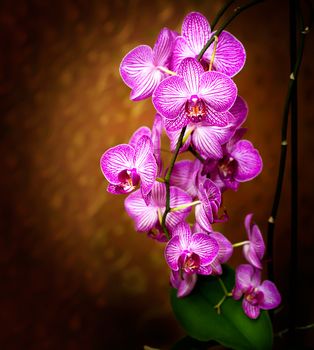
198,106
190,253
206,139
241,162
194,96
125,166
228,57
257,295
143,68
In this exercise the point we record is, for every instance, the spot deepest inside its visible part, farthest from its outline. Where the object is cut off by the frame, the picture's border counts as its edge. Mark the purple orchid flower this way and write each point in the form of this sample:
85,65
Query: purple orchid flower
229,57
127,165
190,253
207,139
143,68
148,217
241,162
255,248
257,295
195,96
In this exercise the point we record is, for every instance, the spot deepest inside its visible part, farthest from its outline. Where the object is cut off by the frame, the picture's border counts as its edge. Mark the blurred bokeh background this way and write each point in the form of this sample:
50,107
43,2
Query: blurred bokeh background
74,273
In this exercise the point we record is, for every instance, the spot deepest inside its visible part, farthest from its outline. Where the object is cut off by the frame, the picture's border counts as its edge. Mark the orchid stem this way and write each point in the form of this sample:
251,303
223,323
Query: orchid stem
196,154
160,179
221,13
226,295
167,181
236,12
184,206
240,244
283,154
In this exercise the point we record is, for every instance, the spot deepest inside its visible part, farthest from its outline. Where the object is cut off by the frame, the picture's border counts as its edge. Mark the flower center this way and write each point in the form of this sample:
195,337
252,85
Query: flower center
189,262
254,297
227,166
204,64
195,109
129,179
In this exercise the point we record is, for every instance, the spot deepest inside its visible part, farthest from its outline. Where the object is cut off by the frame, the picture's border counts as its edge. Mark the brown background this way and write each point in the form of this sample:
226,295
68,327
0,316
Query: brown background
74,274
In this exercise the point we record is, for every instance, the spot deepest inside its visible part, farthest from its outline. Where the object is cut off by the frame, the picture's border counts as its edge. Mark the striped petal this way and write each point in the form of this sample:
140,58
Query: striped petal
115,160
163,47
239,112
145,163
196,31
205,247
230,55
218,91
190,69
250,310
180,52
143,130
172,253
250,163
170,97
139,73
145,217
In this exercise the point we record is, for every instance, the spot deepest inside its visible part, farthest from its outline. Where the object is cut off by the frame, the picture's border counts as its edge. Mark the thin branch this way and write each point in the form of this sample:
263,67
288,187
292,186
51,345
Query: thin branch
285,116
167,181
221,13
237,11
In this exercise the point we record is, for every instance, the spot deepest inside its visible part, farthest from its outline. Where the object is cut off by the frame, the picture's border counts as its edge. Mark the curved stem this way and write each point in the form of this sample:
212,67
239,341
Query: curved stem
221,13
283,154
167,181
237,11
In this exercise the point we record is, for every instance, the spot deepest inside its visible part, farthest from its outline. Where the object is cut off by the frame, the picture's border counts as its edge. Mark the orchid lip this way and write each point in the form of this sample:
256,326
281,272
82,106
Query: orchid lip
195,109
189,262
227,167
129,179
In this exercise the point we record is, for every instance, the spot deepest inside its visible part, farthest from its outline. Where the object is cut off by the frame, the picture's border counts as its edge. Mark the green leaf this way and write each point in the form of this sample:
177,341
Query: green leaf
231,328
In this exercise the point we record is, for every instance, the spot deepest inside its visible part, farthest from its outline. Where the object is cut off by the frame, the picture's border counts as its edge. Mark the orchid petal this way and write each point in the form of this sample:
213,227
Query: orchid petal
196,31
172,253
143,130
225,247
205,247
214,118
177,123
230,55
163,47
145,163
181,51
115,160
174,136
139,73
239,112
249,161
187,284
202,218
145,217
205,143
183,231
184,174
244,275
170,97
250,310
272,296
117,189
191,70
156,136
218,90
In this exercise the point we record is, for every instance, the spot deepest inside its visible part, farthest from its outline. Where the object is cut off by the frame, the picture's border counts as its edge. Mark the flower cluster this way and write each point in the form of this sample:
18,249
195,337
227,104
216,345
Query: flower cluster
198,106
